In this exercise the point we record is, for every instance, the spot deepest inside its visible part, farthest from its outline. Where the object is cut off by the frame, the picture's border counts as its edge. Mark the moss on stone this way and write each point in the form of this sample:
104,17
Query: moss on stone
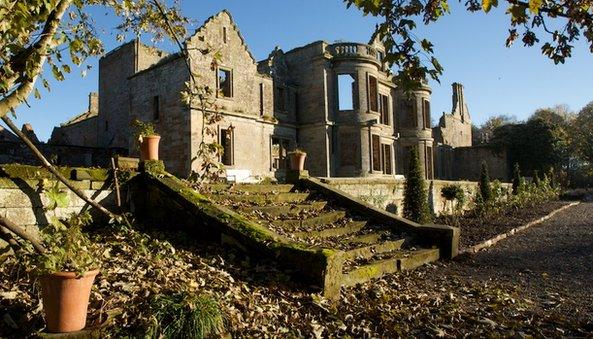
154,167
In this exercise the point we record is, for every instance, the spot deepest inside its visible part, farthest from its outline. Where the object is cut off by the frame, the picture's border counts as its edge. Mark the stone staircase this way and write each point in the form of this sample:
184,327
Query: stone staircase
369,249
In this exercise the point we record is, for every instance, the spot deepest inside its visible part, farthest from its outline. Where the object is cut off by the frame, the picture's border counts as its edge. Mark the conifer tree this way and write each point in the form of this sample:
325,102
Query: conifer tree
415,194
484,184
516,179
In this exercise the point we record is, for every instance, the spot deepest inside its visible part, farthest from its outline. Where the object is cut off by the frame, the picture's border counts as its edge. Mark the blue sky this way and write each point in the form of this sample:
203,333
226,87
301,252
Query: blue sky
498,80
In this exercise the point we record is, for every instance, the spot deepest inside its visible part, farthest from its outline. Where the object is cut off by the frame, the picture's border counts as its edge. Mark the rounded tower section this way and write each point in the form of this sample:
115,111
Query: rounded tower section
415,129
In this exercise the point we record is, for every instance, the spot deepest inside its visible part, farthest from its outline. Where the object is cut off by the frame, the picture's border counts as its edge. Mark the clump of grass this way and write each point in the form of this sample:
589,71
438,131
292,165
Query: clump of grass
185,315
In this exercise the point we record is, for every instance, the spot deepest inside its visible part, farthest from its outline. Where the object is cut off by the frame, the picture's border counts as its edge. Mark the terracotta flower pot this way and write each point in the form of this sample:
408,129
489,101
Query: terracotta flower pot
297,161
149,148
66,300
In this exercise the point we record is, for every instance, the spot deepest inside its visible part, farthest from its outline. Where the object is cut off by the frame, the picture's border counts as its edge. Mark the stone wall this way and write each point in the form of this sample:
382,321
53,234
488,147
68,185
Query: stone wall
468,161
23,201
388,194
64,155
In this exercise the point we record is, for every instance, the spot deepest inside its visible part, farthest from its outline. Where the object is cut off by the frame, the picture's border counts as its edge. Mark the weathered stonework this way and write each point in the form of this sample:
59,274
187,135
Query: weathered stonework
289,99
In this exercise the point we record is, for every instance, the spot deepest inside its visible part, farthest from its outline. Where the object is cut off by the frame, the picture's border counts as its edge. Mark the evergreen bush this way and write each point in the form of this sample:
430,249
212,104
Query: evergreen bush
516,179
415,193
484,184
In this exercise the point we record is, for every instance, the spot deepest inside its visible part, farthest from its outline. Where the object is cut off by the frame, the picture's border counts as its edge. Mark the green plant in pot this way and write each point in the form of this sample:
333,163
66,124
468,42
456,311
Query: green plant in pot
67,271
148,140
297,159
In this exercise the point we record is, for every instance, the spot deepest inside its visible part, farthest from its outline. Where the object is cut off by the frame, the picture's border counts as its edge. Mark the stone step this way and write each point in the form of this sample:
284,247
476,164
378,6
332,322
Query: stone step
369,251
401,260
371,238
349,228
251,188
322,219
261,199
286,209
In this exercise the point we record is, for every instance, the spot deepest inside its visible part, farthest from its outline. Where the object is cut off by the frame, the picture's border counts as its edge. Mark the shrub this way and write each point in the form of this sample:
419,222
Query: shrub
184,315
516,179
454,192
415,193
484,184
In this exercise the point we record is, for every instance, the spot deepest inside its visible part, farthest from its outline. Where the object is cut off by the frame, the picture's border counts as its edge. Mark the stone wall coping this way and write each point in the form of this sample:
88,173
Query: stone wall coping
391,181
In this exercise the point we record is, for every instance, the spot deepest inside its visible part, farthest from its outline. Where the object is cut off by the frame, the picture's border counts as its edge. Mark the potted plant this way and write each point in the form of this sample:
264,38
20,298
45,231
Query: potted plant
297,159
148,140
67,271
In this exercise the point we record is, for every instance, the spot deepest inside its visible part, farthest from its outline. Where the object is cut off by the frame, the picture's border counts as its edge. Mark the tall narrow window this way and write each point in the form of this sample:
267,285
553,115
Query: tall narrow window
156,108
280,99
410,115
227,143
426,113
346,88
106,125
384,109
261,99
387,168
224,35
225,83
376,153
373,94
279,153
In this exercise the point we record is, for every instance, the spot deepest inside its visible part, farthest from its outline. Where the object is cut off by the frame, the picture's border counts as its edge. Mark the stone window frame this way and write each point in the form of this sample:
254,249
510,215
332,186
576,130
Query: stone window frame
387,155
281,92
382,162
385,114
227,131
428,161
231,86
426,113
353,89
372,100
225,36
288,143
156,108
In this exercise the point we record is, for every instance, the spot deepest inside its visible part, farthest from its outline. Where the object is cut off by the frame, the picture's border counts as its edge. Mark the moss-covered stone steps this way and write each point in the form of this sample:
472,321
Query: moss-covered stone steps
371,250
400,260
251,188
322,219
350,228
261,199
287,209
369,238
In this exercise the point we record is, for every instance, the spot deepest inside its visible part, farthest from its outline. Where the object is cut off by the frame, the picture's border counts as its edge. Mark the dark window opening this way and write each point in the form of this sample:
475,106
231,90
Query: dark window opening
279,153
106,125
224,35
346,92
225,84
387,168
261,100
373,94
156,108
376,153
280,99
384,109
227,142
426,113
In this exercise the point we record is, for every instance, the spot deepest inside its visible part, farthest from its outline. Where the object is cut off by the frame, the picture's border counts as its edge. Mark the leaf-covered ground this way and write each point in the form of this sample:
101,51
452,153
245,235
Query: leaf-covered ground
506,291
476,228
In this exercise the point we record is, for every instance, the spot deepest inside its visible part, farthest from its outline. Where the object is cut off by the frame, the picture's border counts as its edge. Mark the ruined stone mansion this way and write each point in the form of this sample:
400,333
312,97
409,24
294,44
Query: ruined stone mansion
335,101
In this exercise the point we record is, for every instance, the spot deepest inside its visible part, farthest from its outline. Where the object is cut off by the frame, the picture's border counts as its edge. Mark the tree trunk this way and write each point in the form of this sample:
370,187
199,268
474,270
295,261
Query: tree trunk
14,228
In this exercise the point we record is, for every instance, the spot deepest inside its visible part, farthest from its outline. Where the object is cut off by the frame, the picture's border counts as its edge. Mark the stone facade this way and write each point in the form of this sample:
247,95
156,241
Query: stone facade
337,102
80,130
455,128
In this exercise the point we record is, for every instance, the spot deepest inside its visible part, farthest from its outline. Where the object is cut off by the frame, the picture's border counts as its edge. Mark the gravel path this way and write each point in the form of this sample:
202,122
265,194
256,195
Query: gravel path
552,263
